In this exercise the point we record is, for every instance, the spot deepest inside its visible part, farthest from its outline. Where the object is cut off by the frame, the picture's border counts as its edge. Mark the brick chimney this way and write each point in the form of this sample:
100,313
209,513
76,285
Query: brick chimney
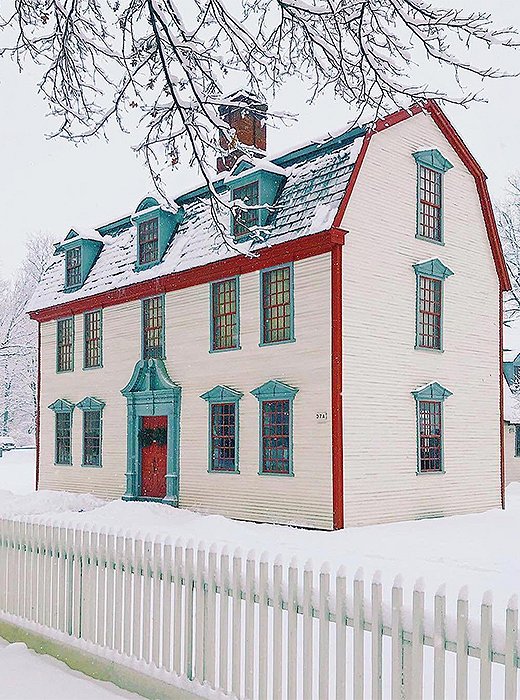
247,118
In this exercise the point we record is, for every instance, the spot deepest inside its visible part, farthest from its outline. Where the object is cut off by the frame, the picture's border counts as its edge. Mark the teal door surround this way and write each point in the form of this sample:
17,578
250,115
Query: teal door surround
151,392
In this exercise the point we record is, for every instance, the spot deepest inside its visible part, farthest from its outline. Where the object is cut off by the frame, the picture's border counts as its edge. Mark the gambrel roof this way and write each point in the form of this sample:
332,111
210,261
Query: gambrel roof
317,181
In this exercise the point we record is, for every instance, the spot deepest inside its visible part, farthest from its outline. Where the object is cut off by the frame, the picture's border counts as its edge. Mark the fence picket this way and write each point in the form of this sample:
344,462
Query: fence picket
223,668
236,626
110,576
486,614
177,609
137,617
323,635
292,631
127,588
377,638
199,613
462,646
147,599
209,632
341,635
167,592
263,630
439,646
308,630
417,641
188,611
249,640
119,608
157,619
359,636
397,641
277,629
511,681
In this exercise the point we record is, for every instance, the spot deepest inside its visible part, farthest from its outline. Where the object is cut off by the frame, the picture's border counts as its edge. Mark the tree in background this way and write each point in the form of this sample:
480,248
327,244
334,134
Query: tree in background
508,220
18,343
161,69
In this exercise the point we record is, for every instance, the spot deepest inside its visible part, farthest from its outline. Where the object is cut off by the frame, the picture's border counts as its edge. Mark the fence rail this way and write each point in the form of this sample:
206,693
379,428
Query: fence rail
248,627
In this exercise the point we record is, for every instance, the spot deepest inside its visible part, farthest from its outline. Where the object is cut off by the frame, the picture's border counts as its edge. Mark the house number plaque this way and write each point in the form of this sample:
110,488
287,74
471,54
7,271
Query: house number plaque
322,417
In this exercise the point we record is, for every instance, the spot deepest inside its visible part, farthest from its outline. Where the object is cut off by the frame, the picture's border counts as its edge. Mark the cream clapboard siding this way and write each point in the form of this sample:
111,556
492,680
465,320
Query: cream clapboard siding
512,462
381,366
305,498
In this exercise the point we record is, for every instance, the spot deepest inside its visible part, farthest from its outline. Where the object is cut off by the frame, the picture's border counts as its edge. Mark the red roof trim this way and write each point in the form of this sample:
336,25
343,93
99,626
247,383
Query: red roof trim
298,249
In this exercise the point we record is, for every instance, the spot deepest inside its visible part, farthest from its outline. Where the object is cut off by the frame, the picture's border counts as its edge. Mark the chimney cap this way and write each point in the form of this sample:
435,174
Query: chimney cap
240,99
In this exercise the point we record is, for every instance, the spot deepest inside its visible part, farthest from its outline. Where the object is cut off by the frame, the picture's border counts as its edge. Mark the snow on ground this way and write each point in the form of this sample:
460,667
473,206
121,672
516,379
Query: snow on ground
27,675
480,551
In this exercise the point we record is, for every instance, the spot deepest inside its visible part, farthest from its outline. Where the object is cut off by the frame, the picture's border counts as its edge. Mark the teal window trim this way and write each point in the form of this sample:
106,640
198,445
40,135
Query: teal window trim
223,395
212,286
436,270
431,160
62,407
162,355
100,352
92,405
59,324
73,272
517,440
291,338
436,394
274,390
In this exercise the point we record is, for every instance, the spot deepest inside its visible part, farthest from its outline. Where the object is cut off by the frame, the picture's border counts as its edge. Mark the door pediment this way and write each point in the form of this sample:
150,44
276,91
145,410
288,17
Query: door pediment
149,377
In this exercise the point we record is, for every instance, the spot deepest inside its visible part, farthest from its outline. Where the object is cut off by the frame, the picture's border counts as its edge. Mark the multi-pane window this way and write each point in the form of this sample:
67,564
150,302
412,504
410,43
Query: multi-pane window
63,446
276,437
223,437
429,312
92,438
93,339
153,327
73,267
246,219
65,345
517,440
430,436
276,305
430,203
148,246
224,310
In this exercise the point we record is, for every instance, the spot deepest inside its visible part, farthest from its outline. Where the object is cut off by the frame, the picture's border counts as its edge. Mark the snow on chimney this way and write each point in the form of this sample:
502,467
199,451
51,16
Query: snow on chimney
247,117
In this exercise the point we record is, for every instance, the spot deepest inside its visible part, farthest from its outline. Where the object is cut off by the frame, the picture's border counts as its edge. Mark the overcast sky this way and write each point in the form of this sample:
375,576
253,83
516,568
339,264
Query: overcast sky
51,185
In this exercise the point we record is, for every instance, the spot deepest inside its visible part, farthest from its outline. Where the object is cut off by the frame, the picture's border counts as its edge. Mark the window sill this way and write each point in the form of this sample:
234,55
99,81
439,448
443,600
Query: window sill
145,266
221,471
63,464
420,348
429,240
87,369
276,342
64,371
91,466
275,474
217,351
425,473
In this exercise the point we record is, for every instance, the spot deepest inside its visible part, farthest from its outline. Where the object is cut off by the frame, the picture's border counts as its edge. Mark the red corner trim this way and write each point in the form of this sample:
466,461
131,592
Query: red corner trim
298,249
38,399
337,385
501,399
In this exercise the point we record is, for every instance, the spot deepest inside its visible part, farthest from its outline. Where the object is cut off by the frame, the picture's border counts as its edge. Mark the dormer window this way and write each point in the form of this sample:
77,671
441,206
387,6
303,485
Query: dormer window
148,232
73,267
245,219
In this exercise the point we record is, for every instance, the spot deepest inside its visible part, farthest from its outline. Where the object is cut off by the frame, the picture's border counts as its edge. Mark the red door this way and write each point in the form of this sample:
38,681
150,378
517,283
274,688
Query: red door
154,453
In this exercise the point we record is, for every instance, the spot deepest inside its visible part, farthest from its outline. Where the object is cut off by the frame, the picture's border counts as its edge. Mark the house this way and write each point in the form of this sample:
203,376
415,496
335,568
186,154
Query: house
338,364
511,365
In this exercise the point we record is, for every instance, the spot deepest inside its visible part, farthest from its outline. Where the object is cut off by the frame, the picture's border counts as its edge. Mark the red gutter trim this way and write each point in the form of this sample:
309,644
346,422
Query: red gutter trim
298,249
338,486
350,187
501,400
38,395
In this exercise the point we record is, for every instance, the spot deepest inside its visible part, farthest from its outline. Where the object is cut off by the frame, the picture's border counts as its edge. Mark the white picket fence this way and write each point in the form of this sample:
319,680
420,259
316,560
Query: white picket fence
248,627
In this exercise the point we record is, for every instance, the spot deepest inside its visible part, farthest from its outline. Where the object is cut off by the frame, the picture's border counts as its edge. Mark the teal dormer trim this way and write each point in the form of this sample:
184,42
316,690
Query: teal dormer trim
433,268
510,370
89,403
218,395
167,224
88,248
434,159
62,406
274,390
269,182
431,392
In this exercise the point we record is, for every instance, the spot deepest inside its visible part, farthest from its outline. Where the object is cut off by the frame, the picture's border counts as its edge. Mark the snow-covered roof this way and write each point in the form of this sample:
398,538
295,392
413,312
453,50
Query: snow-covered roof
316,179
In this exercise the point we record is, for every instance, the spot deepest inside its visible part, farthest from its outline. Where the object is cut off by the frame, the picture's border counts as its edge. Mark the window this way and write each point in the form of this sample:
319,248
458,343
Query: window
92,438
517,440
93,339
429,303
516,374
430,203
276,405
245,219
65,345
430,313
148,246
224,315
275,437
223,437
223,428
153,327
430,436
73,267
431,167
63,447
430,428
277,306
